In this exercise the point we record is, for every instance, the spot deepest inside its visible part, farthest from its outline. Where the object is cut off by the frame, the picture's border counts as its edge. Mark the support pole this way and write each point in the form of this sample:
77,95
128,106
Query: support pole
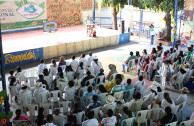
129,2
176,21
93,10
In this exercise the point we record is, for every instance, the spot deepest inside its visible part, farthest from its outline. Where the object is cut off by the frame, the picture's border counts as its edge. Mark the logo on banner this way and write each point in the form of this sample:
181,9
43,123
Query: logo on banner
3,1
30,10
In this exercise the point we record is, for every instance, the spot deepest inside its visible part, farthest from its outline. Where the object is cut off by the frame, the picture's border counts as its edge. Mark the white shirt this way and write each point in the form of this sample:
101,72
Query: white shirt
41,67
80,73
149,99
74,64
160,95
181,99
49,124
59,120
96,67
53,70
165,104
70,75
109,120
37,92
90,59
84,60
140,87
90,122
70,90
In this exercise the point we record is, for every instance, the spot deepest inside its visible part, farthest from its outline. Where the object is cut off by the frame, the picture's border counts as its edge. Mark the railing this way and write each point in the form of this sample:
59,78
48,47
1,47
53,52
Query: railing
106,18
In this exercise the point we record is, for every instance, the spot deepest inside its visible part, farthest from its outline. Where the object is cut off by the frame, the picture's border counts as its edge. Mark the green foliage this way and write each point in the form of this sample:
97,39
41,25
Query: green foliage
25,2
19,4
10,115
42,5
3,93
114,3
2,114
164,5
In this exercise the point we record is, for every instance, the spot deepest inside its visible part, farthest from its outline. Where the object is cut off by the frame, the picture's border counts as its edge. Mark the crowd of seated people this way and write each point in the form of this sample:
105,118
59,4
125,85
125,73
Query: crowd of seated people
109,101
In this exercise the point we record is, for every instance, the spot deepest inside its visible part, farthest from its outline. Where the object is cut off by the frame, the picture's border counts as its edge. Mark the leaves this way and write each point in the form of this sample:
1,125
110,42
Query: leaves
3,93
10,115
42,5
25,2
19,4
2,114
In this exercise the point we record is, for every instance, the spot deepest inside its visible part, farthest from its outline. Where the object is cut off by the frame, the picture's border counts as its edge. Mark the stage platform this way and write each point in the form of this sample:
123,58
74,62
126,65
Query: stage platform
24,47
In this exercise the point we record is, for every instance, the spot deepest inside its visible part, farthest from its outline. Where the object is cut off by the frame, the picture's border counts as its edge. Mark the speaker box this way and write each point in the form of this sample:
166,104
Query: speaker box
121,27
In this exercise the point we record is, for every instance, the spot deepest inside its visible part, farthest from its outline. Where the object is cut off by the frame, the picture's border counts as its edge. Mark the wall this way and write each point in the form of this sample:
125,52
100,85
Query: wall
65,12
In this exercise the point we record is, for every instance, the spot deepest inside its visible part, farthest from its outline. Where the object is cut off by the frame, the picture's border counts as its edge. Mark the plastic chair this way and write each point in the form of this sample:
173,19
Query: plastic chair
155,114
88,100
32,110
128,122
54,96
25,100
48,108
42,97
146,71
113,76
69,95
96,112
187,123
89,82
180,111
13,92
21,123
136,106
48,79
80,117
82,91
110,124
62,85
175,109
32,81
59,120
102,97
141,117
100,79
64,106
172,124
130,92
70,75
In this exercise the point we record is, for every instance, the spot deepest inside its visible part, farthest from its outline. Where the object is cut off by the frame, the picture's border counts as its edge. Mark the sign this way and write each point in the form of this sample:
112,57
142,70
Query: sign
23,57
50,26
16,14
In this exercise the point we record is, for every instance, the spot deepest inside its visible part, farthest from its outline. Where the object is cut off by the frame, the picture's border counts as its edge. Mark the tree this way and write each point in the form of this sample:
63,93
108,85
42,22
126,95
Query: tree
165,6
115,4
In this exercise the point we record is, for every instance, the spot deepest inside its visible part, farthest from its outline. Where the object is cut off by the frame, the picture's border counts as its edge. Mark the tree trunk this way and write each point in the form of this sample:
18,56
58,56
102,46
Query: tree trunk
167,18
115,19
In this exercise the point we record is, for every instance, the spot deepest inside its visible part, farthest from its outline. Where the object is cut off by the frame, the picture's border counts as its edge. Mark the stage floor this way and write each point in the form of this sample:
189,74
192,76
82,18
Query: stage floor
13,42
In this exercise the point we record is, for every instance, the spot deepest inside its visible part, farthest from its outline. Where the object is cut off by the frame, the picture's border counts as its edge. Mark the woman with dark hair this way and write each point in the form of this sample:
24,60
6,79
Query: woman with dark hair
127,114
20,117
87,77
69,72
53,67
40,118
165,56
45,72
142,67
137,54
80,71
167,101
153,53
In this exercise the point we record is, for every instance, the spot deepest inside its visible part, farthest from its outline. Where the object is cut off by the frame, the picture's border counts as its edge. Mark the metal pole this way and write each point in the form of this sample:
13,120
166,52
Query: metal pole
176,21
94,10
129,2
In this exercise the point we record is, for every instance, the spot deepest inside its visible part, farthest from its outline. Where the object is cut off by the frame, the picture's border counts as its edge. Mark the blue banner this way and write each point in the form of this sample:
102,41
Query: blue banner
23,57
124,38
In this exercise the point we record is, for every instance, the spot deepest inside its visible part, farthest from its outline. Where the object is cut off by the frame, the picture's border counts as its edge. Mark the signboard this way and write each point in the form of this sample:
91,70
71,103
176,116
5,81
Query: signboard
50,26
16,14
23,57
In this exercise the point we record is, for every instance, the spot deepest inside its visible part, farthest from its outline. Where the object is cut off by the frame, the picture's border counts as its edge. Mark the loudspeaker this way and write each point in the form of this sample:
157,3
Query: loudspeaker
121,27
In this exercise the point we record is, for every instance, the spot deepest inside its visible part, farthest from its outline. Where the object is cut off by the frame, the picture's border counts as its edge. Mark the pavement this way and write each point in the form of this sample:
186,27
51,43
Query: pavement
116,55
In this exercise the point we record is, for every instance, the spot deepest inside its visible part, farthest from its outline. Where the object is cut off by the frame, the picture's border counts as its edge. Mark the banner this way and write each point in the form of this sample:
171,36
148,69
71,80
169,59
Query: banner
23,57
16,14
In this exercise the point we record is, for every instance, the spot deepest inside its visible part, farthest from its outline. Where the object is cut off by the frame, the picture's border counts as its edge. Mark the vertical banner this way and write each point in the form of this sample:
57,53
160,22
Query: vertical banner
15,14
188,29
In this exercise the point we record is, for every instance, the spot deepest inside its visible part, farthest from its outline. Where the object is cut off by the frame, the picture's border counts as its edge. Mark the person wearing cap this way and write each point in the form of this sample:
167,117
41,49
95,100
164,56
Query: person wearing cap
112,69
178,77
148,100
182,98
118,97
127,61
90,59
152,33
84,60
96,65
38,89
74,63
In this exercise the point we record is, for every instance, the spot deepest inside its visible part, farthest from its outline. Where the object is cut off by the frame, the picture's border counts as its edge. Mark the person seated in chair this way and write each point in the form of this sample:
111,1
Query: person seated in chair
143,66
91,120
110,118
20,117
88,77
87,95
113,70
61,79
50,121
140,86
71,121
183,97
94,104
127,61
43,81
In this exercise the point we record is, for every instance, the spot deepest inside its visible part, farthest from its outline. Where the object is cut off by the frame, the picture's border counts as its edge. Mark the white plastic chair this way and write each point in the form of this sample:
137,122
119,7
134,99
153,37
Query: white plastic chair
62,85
113,76
64,106
13,92
110,124
187,123
100,79
146,71
69,95
180,111
141,117
49,80
54,96
172,124
102,97
81,91
80,117
70,76
128,122
32,81
96,112
42,97
136,106
26,100
21,123
89,82
59,120
32,110
48,108
175,109
155,114
130,92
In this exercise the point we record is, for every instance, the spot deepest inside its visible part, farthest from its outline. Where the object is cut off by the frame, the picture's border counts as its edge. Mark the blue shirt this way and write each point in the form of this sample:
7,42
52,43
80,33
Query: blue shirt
94,105
127,87
85,96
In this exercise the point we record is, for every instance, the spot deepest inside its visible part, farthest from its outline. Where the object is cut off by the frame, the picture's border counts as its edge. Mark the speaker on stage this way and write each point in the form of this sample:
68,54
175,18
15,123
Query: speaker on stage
121,27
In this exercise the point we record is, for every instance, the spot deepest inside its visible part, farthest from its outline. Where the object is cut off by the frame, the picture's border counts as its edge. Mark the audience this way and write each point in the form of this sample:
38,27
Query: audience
84,60
183,97
91,120
74,63
167,101
127,61
110,118
96,65
94,104
86,95
43,81
59,120
140,86
20,117
50,121
71,121
112,71
53,68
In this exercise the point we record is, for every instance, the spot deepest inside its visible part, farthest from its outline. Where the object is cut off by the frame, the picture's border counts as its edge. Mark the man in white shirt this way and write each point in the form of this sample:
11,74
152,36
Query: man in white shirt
140,86
91,120
70,89
183,97
90,59
50,121
74,63
41,66
84,60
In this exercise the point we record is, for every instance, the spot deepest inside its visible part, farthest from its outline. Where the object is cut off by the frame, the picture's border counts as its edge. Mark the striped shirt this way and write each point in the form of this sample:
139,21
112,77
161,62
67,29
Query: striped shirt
117,88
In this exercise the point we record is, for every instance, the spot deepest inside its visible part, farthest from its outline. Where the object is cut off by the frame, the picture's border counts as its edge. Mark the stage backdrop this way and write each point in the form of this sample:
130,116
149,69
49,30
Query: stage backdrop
64,12
188,29
15,14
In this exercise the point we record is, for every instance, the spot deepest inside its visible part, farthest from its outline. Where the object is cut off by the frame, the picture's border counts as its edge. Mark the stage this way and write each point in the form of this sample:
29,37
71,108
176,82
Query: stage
29,46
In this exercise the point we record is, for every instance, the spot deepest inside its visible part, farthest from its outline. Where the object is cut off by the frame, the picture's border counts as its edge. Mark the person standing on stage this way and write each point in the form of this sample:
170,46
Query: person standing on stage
152,33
